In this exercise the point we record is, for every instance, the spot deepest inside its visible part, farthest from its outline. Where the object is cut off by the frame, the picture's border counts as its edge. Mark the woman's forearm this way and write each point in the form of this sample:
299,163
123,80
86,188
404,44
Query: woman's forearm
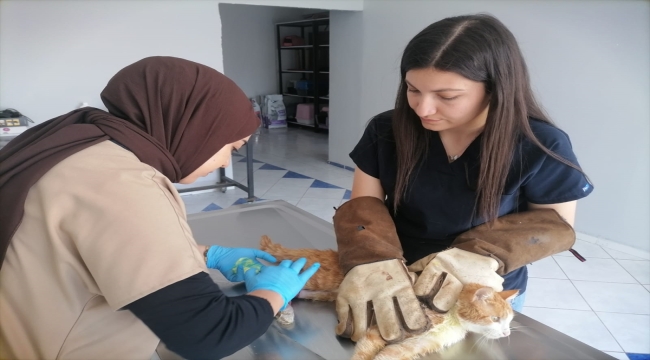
567,210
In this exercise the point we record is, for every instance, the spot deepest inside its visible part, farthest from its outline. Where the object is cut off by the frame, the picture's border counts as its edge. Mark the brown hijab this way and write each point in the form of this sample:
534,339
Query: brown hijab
173,114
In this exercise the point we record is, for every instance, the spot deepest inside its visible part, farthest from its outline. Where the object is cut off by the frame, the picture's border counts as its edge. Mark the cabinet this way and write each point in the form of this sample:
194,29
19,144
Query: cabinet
303,70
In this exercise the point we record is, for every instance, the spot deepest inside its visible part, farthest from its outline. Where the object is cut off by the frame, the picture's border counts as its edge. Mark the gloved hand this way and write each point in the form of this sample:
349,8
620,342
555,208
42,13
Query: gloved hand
225,260
370,256
445,273
284,279
388,287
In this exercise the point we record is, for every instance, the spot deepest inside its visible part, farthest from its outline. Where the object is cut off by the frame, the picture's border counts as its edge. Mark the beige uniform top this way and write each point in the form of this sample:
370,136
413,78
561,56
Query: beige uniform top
101,229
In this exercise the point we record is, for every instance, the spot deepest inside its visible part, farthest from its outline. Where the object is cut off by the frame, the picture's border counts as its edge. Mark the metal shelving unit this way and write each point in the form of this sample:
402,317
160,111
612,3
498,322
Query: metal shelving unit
310,70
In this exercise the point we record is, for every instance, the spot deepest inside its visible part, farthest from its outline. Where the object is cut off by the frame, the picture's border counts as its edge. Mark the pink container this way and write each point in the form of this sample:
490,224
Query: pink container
305,113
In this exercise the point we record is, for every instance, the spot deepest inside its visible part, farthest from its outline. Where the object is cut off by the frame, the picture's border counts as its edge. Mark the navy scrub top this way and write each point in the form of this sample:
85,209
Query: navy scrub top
439,204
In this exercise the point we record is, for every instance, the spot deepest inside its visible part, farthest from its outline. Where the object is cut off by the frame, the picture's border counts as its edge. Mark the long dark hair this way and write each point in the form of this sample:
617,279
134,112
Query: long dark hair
479,48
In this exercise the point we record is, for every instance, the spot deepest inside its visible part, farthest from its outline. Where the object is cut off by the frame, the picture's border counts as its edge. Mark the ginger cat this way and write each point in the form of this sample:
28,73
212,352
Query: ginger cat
324,285
479,309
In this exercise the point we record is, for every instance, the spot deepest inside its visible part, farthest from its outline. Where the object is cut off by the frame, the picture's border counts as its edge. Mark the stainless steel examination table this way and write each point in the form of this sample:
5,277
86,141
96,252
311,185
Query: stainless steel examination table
312,336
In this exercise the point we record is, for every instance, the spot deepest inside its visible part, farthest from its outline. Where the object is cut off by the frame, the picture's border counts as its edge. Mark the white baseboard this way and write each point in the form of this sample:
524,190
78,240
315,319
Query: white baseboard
614,245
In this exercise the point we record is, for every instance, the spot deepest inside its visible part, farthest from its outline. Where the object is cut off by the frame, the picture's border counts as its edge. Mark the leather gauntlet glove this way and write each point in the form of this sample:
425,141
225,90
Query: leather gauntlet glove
376,283
518,239
383,289
444,274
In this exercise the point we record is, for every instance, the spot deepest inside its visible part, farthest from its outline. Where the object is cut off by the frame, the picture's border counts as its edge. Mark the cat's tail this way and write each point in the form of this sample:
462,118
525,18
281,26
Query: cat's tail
318,295
267,245
282,253
277,250
325,282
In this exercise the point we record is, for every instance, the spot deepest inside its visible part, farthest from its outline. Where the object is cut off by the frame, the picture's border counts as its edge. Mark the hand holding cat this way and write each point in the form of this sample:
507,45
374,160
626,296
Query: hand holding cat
226,259
284,279
445,273
388,286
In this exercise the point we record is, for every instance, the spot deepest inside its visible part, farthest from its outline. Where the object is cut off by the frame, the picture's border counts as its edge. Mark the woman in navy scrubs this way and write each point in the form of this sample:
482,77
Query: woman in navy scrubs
466,142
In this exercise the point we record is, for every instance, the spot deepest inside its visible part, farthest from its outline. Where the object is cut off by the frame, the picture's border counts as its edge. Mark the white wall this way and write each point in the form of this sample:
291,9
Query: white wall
589,64
309,4
56,54
346,45
588,60
249,44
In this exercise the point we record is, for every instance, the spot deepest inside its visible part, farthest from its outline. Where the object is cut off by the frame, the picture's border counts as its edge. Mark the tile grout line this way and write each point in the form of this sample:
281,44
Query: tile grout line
551,308
309,164
613,245
301,196
567,276
584,311
608,282
300,173
609,331
305,192
627,271
584,299
588,304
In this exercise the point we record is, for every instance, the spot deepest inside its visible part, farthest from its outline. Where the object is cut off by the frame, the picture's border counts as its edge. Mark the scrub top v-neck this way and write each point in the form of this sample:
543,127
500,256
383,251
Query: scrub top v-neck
440,200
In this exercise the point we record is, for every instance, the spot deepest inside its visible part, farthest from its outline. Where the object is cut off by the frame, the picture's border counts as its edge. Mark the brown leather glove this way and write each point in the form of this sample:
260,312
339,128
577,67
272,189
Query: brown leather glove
444,274
518,239
385,289
376,281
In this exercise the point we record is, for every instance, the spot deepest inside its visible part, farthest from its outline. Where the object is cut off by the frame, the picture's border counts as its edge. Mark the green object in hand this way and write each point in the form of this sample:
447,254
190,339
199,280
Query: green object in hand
225,260
247,264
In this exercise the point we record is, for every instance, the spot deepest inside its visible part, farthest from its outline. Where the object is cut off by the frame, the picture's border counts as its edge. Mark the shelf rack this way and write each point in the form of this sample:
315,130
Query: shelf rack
317,76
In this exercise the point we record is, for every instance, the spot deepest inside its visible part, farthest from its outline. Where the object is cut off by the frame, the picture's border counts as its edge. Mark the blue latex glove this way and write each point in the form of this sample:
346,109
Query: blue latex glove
284,279
225,260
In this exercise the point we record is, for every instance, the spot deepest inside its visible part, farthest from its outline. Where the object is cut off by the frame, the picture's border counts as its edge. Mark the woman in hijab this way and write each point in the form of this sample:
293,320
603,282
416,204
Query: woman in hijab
97,259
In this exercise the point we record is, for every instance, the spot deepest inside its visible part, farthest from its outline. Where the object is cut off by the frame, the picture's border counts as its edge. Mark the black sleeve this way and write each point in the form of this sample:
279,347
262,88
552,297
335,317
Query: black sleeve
366,154
549,180
194,319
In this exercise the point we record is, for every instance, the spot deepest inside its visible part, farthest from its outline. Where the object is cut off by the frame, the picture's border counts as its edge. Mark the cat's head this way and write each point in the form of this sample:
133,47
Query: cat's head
484,311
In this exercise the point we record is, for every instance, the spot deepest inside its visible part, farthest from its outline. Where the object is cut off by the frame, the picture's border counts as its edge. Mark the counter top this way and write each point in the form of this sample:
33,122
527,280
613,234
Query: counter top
312,335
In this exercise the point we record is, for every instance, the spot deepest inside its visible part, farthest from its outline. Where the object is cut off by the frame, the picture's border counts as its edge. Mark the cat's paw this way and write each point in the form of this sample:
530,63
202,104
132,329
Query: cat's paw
286,317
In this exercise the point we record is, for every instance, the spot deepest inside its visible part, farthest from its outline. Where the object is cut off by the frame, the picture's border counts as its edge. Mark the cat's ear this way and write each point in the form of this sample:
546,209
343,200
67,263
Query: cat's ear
508,295
483,293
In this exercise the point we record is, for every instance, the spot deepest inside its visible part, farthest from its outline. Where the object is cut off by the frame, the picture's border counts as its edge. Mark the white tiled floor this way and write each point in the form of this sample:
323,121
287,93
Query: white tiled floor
604,302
